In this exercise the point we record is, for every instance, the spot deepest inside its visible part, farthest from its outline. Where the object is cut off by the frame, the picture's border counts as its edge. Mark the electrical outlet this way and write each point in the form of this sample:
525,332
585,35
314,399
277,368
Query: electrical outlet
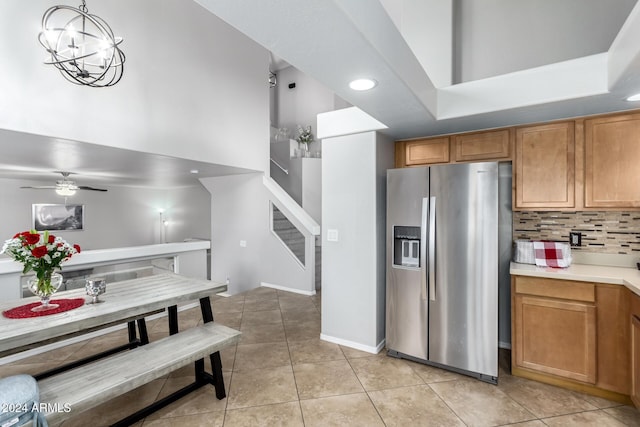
243,243
575,239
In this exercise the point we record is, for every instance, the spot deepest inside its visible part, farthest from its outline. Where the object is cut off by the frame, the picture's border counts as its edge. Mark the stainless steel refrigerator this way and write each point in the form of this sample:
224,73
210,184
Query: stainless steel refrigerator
443,266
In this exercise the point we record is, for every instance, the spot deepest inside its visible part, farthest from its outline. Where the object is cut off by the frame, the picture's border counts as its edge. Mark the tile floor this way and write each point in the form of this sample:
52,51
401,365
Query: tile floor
281,374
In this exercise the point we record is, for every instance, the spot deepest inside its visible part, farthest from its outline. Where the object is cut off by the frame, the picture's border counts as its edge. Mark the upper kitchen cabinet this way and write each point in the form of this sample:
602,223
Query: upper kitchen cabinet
491,145
612,156
426,151
544,172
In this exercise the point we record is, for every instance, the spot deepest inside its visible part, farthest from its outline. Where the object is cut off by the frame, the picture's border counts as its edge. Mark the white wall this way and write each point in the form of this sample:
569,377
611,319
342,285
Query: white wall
240,211
427,26
301,105
489,41
193,86
121,217
312,187
353,268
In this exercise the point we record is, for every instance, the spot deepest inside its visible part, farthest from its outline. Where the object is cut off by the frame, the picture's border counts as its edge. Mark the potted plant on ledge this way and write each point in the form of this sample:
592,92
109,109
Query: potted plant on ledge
305,137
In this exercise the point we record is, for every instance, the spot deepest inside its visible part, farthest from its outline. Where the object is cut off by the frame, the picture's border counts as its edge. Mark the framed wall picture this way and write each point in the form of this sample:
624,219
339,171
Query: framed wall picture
54,217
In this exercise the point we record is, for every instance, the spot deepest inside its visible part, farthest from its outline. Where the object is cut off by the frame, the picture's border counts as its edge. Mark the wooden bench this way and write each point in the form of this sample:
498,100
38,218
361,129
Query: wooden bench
90,385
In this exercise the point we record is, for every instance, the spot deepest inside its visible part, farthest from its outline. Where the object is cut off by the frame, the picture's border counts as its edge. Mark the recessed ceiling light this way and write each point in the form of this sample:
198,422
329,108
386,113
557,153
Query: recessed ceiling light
635,97
363,84
194,171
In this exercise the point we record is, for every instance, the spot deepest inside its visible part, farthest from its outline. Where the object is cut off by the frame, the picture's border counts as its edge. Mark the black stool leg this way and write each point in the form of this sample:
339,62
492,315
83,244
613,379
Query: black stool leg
133,339
142,327
173,319
216,363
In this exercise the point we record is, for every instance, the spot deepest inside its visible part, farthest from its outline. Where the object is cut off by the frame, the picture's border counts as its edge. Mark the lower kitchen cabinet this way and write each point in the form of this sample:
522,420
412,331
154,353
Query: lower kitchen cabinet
553,335
575,335
635,349
612,302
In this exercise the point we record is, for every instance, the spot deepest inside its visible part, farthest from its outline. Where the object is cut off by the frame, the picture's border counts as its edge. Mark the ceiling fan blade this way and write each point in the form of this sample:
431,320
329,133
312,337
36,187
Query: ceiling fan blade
41,187
84,187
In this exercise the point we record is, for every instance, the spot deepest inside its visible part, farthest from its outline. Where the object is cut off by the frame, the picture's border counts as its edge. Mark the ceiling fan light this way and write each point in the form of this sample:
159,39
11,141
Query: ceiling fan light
635,97
65,191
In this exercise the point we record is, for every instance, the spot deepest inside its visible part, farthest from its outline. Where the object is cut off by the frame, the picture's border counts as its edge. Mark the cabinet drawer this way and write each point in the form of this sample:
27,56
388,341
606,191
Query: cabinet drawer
563,289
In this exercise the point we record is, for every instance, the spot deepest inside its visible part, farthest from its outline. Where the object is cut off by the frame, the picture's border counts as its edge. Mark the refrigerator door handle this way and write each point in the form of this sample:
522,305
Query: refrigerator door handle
432,248
423,249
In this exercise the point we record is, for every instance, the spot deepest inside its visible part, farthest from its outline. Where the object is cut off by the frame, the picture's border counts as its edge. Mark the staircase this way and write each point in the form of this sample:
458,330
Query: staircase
289,234
297,231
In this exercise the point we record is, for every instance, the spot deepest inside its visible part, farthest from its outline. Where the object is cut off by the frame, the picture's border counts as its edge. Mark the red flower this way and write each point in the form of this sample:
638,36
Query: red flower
39,251
31,239
52,238
77,248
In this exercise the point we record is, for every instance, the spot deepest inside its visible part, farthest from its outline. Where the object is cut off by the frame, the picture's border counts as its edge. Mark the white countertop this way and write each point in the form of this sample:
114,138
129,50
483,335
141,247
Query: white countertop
629,277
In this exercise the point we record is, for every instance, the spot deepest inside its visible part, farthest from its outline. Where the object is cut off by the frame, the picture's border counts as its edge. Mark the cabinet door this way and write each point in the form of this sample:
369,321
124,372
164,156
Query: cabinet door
556,337
612,156
635,360
613,338
427,151
635,349
545,166
493,145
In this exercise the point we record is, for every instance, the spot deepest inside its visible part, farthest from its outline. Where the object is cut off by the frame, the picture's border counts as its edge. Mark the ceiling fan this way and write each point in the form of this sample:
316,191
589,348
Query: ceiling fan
65,186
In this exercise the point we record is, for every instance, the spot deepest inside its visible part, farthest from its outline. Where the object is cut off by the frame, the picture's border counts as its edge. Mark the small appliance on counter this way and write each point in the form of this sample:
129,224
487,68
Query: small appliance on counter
523,252
542,253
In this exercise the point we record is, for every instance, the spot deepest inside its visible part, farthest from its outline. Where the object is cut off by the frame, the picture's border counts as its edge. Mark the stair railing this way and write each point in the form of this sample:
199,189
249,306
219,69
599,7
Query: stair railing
302,221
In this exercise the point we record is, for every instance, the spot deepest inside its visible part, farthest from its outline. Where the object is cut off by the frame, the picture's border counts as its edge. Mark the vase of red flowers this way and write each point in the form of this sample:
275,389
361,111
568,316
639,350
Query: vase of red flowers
42,254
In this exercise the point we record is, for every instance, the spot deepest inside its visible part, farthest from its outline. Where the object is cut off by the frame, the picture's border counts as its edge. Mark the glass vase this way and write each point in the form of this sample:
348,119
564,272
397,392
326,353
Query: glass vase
44,288
304,149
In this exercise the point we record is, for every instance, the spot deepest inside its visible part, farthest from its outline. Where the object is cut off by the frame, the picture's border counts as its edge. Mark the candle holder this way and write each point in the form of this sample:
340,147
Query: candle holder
95,287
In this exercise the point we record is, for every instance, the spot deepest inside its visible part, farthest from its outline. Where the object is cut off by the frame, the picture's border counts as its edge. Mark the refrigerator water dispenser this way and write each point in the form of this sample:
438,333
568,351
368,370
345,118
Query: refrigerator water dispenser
406,246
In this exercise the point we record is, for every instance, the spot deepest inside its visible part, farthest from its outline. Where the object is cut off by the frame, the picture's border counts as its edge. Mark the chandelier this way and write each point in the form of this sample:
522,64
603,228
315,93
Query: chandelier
82,46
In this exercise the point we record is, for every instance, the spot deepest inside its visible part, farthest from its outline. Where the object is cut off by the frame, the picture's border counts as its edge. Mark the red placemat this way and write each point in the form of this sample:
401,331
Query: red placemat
24,311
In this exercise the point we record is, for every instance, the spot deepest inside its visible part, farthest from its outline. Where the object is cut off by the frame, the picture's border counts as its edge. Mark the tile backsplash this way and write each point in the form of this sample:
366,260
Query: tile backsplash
602,232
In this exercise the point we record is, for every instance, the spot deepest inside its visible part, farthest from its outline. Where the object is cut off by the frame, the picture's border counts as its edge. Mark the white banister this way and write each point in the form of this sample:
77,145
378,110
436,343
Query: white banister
298,216
279,166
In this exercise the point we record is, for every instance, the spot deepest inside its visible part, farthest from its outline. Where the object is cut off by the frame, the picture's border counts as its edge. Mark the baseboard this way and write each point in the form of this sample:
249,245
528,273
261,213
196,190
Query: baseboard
505,345
224,294
355,345
284,288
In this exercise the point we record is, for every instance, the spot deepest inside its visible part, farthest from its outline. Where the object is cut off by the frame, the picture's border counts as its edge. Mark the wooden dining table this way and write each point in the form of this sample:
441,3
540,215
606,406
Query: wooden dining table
128,302
123,302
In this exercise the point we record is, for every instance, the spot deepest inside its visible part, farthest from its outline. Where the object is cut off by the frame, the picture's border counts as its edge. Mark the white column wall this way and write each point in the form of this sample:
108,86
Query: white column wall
353,204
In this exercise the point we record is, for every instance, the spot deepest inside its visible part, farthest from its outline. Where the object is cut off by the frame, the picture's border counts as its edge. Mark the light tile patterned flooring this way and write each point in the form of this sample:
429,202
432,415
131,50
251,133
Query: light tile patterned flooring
281,374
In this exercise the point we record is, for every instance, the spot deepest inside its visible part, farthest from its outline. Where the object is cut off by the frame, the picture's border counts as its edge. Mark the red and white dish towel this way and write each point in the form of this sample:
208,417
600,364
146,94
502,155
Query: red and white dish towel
552,254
